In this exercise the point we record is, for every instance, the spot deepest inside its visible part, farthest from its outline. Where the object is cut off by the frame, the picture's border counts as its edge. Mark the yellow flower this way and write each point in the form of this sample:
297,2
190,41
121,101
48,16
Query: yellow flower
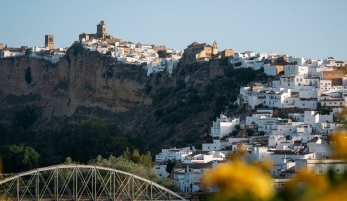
310,181
265,165
337,193
238,180
340,143
306,186
344,112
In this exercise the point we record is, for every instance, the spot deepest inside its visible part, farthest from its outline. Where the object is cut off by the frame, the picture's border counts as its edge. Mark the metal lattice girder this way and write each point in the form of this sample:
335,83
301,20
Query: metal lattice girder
81,182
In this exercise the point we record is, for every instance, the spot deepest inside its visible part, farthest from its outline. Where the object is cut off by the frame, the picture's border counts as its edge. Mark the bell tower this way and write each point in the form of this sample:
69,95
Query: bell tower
101,30
215,48
49,41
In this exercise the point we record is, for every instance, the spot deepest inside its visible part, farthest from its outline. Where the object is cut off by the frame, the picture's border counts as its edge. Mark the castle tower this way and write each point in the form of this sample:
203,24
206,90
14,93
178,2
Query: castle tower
215,48
101,30
49,41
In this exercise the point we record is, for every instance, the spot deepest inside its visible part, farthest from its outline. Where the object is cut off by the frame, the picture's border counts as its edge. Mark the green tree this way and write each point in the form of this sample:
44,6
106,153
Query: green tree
135,156
159,113
220,103
86,141
126,154
146,159
170,164
68,160
250,132
162,53
170,184
24,118
19,158
125,165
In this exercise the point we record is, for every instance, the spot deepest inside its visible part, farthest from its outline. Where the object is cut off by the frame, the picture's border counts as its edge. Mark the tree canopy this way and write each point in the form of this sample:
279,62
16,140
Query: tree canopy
80,142
19,158
126,165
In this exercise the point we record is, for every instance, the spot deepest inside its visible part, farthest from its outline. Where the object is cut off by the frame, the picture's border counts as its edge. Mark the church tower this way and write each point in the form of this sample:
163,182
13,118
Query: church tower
215,48
101,30
49,41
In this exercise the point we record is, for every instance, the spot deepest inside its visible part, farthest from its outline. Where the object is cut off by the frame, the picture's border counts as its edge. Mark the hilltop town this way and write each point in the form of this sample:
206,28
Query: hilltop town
295,141
314,89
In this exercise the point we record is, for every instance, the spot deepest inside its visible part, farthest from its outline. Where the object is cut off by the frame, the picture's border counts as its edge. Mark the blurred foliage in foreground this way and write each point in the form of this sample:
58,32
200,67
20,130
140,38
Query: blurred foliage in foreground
238,180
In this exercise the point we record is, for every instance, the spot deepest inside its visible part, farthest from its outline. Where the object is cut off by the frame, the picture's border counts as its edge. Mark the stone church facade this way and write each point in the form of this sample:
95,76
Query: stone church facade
200,51
100,33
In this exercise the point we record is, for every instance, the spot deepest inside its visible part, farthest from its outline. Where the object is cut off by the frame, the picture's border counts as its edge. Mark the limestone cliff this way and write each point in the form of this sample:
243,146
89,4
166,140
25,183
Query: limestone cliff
80,78
158,111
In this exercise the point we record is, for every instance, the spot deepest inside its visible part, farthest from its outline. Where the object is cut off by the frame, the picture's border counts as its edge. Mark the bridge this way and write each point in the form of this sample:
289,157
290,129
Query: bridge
81,182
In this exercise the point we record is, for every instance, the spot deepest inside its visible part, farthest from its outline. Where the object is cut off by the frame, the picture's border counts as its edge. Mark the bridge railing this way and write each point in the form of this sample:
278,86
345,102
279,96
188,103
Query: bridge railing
81,182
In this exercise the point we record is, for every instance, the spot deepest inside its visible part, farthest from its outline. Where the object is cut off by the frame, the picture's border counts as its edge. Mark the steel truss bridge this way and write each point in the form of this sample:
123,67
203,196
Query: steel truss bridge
81,182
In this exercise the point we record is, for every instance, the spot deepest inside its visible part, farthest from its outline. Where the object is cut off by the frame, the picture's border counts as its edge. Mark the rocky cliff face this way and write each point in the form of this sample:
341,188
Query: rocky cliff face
159,111
81,78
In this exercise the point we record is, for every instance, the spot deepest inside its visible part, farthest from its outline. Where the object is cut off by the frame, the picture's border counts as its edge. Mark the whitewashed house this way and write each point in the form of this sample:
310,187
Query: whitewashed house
173,153
160,170
223,126
204,157
320,167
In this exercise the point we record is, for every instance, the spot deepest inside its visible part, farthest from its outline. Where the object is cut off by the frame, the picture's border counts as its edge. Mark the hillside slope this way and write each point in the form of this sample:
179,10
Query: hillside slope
159,111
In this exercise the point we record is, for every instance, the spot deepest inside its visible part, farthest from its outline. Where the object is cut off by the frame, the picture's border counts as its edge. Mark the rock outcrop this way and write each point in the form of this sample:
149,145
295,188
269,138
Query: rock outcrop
80,78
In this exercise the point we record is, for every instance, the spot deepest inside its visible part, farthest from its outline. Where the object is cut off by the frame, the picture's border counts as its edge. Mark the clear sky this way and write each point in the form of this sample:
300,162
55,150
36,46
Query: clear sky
306,28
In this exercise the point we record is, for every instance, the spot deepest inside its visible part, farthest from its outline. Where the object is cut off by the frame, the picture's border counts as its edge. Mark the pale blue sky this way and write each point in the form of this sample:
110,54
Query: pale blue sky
307,28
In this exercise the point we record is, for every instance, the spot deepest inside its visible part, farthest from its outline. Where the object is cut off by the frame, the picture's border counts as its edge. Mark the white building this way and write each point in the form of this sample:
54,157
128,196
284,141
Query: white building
321,166
223,126
248,59
189,175
7,53
284,160
154,67
320,148
161,172
221,144
173,153
204,157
